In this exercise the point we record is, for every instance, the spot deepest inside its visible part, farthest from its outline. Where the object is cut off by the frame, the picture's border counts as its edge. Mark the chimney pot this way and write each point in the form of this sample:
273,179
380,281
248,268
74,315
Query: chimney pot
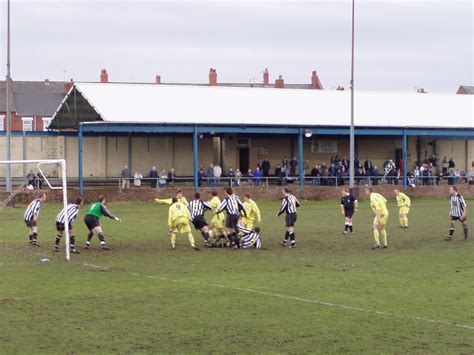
315,82
104,76
68,85
266,78
212,77
46,81
158,79
279,83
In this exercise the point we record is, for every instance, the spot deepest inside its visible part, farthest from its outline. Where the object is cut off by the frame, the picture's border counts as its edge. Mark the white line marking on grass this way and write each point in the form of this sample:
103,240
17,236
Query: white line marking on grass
300,299
94,266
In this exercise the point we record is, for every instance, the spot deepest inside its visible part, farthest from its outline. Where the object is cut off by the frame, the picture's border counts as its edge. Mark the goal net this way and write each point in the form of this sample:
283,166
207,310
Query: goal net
9,197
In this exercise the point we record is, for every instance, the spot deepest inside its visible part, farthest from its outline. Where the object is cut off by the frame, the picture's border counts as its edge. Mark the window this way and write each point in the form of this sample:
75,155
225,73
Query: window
323,146
46,123
2,122
27,124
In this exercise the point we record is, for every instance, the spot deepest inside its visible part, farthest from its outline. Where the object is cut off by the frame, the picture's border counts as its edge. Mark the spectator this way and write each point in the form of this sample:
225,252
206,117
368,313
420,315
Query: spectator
457,177
305,167
445,166
315,175
201,176
171,177
293,165
39,181
153,177
451,163
322,173
265,167
375,174
126,176
368,166
285,165
249,175
257,176
210,175
238,175
217,174
163,179
137,179
231,176
279,174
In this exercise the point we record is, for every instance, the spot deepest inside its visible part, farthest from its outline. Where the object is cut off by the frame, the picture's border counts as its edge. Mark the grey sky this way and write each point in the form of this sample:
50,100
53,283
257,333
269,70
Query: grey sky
400,45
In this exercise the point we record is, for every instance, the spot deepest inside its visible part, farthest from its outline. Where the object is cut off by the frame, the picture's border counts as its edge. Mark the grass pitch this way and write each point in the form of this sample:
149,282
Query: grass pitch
331,294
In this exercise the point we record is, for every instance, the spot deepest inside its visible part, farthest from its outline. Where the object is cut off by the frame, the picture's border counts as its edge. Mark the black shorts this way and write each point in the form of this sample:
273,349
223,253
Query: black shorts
60,227
348,213
31,224
231,221
290,220
91,222
453,218
199,222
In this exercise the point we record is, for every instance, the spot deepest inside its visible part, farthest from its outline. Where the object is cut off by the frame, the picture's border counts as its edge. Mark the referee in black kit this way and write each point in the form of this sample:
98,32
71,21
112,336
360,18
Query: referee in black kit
349,205
289,205
233,206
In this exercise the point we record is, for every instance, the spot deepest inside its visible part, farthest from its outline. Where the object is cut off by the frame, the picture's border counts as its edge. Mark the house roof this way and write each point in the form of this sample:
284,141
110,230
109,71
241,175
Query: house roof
168,104
465,89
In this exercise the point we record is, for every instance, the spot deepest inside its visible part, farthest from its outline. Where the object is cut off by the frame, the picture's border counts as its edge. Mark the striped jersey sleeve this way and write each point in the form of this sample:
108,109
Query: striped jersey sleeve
457,205
289,205
32,209
232,205
197,208
72,214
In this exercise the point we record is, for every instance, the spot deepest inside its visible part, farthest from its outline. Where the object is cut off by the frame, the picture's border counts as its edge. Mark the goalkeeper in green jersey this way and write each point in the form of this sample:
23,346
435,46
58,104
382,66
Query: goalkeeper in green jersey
93,215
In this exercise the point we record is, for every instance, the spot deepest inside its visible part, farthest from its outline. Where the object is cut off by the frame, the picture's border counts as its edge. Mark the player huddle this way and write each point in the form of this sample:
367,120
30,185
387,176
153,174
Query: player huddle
232,222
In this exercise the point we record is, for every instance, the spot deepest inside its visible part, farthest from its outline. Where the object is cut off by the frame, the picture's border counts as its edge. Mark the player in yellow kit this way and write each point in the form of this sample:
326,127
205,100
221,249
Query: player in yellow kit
404,203
378,203
217,224
253,212
178,221
179,197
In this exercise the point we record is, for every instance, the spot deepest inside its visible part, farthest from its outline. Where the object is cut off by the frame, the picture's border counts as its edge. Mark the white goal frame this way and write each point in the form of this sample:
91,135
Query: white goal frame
62,163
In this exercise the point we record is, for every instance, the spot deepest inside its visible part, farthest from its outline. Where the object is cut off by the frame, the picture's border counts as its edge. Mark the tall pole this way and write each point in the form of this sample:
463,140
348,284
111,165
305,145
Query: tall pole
351,140
9,113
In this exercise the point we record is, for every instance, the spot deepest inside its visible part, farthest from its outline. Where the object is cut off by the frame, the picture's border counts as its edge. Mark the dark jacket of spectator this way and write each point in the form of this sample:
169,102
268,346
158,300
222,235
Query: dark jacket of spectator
265,167
153,177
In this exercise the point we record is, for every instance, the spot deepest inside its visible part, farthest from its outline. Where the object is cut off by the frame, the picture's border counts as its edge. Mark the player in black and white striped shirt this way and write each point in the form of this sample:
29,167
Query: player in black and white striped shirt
31,218
233,206
197,208
457,212
72,214
250,237
289,205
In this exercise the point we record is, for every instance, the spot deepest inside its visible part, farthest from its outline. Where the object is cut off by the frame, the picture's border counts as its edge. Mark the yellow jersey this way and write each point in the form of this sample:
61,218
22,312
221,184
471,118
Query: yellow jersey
178,213
403,200
215,202
252,210
169,201
378,203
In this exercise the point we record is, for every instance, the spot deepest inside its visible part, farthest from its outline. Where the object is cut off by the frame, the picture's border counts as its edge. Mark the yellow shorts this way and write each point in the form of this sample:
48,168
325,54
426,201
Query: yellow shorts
383,219
404,210
181,226
217,222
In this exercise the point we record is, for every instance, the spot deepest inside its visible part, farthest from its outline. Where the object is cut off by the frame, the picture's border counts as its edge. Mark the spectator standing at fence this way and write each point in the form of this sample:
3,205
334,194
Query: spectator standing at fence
315,175
153,177
445,166
285,165
279,174
217,174
137,179
126,176
201,176
451,163
231,176
368,166
238,175
210,175
375,174
257,176
305,167
171,177
39,181
293,165
266,167
162,180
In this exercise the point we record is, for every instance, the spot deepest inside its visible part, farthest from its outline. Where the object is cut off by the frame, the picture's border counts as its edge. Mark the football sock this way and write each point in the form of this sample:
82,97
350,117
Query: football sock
376,237
205,235
350,227
58,239
285,238
191,239
31,238
384,237
292,237
236,240
451,232
102,239
405,221
89,238
71,241
346,227
465,233
34,237
173,239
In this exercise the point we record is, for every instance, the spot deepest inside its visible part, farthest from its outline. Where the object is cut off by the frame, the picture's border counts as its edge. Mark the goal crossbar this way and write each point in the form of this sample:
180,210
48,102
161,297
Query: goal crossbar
62,163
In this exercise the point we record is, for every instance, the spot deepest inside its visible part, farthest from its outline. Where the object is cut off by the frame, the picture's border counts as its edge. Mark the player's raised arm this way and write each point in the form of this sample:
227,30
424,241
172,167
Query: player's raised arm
222,206
284,204
241,207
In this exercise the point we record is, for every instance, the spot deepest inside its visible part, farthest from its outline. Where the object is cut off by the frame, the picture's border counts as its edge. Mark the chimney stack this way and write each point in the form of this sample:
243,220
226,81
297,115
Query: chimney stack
315,82
158,80
68,85
104,76
212,77
340,88
279,83
421,91
266,78
46,81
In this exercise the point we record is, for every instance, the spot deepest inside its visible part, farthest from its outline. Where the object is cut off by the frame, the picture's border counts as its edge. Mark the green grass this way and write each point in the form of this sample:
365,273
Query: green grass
146,298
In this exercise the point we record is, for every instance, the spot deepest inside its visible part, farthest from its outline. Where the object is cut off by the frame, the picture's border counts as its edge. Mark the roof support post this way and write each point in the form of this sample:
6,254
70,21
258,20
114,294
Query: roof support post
195,158
79,160
300,158
130,153
404,157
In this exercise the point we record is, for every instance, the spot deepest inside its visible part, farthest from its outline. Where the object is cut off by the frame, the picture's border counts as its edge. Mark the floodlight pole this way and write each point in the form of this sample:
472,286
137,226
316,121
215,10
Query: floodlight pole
352,138
9,113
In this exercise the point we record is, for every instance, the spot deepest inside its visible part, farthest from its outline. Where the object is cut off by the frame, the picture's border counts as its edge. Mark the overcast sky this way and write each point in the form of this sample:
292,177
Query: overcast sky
400,45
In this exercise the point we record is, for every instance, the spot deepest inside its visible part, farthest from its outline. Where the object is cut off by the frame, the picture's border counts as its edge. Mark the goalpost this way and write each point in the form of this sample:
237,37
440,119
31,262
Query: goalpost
63,187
